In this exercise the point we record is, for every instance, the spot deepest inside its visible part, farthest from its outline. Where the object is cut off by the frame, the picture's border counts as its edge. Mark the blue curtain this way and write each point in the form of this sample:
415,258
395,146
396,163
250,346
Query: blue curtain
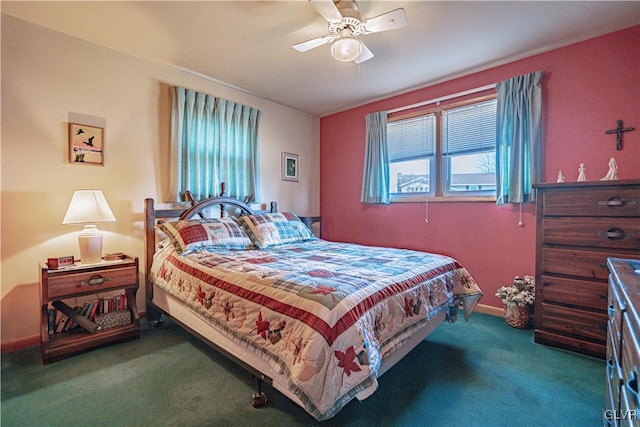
375,177
212,141
519,138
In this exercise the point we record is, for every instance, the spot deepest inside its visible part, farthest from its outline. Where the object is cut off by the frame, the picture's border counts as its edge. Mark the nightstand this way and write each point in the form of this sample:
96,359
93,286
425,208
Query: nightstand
109,285
310,220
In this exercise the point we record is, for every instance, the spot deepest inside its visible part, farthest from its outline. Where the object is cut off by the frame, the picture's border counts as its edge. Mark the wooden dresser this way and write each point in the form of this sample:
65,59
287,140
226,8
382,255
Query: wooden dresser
622,407
579,226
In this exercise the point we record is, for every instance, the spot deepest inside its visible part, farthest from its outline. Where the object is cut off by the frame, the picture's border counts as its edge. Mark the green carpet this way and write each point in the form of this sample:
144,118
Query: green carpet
476,373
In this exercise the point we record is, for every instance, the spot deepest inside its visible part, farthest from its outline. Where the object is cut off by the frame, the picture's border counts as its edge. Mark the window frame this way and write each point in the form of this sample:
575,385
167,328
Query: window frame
440,169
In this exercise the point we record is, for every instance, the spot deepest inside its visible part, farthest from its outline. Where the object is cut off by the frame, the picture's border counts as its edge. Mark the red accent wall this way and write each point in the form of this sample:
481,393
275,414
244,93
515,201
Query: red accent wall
587,87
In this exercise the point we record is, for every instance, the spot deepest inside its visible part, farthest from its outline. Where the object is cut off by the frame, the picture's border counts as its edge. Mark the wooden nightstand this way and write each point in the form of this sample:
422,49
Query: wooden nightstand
102,281
310,220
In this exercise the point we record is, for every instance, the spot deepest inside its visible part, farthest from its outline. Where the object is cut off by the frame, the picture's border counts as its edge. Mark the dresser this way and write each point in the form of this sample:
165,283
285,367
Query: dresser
622,406
579,226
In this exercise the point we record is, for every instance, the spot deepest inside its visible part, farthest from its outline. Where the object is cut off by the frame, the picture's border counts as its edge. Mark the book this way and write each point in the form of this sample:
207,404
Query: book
62,323
87,312
94,309
81,320
71,323
85,307
51,318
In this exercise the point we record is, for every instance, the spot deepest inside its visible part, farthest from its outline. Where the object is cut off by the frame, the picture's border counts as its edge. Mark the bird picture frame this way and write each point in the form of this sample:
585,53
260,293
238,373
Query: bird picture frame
86,144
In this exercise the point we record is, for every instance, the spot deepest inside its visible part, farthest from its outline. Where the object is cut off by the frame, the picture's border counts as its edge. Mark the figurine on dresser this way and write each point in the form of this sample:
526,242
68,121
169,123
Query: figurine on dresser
612,175
582,175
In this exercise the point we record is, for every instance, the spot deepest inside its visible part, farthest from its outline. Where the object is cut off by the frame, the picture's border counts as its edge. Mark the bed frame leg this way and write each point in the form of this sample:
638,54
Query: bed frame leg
259,399
154,316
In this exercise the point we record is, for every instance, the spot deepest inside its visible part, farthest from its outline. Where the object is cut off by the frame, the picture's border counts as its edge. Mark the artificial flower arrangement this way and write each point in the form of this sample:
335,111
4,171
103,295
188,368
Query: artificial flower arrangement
517,299
521,293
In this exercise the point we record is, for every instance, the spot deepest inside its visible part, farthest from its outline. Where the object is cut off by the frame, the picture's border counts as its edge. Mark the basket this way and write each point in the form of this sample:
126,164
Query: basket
517,316
113,319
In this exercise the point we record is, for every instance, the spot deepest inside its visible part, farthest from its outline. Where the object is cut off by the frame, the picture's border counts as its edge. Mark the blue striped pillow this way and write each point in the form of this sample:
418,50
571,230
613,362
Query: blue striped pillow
271,229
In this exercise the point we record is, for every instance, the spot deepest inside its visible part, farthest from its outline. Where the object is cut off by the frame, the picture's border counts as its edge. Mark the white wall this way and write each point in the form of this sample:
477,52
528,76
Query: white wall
48,77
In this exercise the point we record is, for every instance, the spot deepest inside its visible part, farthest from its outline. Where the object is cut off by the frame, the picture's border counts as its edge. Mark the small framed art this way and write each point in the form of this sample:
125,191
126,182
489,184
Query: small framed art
290,166
86,144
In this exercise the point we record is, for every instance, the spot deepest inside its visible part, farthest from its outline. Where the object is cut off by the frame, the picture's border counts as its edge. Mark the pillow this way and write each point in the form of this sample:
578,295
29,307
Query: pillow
275,229
192,234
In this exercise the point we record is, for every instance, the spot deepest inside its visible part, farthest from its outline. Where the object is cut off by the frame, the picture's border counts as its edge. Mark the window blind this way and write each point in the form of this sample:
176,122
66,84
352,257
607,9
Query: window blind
412,138
469,129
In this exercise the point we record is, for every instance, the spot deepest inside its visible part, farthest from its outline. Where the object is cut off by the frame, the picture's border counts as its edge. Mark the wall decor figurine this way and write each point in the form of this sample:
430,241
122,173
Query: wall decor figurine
582,176
612,175
560,177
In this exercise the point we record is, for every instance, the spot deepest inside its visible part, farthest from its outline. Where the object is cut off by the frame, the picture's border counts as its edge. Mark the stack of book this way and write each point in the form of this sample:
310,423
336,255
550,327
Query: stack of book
92,316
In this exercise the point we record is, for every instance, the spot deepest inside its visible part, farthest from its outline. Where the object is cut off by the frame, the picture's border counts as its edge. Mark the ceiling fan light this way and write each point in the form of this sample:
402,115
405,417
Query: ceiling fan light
346,49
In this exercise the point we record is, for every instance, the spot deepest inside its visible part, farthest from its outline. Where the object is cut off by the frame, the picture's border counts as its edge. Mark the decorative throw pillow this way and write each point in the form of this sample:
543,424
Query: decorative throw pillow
192,234
275,229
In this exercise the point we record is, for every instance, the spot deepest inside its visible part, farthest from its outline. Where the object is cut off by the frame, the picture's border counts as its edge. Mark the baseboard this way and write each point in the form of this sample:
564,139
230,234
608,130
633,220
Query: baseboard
488,309
20,344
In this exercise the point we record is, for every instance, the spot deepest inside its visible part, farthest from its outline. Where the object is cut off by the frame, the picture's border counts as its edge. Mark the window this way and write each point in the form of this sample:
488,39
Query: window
411,145
444,151
212,141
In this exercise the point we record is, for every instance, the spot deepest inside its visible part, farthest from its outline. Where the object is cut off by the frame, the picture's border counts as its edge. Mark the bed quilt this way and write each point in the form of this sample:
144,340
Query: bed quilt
324,313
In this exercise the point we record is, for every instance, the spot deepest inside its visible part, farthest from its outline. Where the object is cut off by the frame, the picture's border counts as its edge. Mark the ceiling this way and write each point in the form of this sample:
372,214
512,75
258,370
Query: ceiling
247,44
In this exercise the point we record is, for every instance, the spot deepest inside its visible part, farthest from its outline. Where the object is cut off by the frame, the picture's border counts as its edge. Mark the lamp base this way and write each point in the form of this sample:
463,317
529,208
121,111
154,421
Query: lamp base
90,242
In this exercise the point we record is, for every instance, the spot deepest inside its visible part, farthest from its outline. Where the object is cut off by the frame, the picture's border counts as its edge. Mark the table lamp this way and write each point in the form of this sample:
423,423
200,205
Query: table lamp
88,207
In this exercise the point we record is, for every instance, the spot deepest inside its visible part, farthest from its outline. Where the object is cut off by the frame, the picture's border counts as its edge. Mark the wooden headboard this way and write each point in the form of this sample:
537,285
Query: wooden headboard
153,216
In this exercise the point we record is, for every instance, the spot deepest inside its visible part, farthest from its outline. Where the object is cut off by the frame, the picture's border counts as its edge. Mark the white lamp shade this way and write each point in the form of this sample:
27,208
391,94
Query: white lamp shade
88,206
346,49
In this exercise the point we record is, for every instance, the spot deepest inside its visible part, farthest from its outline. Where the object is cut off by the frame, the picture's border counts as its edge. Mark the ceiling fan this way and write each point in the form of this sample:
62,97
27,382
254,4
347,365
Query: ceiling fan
345,25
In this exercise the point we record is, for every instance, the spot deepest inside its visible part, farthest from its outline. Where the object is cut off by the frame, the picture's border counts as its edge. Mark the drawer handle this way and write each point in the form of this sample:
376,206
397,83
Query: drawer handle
632,386
616,202
615,234
95,280
610,371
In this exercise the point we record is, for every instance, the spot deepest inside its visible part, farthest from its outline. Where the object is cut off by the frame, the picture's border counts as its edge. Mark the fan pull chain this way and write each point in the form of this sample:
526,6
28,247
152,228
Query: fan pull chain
426,216
520,223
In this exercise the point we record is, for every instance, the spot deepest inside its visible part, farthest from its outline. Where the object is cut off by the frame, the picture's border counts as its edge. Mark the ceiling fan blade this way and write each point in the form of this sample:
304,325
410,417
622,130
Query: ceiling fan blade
387,21
310,44
365,55
327,9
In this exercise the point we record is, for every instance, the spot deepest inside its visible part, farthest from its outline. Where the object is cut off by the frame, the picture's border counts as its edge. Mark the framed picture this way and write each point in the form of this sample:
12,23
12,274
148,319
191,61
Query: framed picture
86,144
290,166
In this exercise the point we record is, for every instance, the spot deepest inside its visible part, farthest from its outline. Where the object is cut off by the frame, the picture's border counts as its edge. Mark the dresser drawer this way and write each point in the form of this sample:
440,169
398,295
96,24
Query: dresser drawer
614,375
579,263
628,415
575,322
581,293
630,361
609,202
614,233
615,309
91,282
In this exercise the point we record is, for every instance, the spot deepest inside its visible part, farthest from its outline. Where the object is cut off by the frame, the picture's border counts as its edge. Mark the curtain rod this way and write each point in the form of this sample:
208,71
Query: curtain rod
443,98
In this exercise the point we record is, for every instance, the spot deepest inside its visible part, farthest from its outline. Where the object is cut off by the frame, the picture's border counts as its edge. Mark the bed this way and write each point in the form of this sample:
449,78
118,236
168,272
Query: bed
319,321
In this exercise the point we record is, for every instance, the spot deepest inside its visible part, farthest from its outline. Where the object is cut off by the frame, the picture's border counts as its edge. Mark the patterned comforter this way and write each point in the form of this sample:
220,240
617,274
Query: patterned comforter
325,313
